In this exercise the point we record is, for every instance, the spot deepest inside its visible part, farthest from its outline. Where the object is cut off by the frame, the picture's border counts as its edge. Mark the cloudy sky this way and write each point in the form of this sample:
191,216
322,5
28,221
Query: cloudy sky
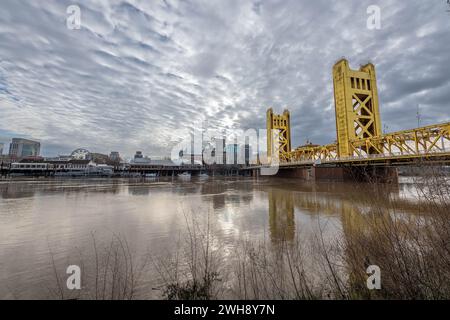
138,70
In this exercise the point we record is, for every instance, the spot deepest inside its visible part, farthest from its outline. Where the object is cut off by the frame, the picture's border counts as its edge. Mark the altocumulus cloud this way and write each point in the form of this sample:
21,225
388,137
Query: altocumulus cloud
138,70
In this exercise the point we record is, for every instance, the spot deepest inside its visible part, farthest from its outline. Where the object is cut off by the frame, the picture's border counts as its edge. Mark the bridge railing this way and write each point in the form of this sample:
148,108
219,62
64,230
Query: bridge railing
393,155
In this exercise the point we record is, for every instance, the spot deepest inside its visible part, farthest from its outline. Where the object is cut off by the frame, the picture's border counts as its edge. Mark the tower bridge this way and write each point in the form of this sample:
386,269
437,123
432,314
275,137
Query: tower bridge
359,140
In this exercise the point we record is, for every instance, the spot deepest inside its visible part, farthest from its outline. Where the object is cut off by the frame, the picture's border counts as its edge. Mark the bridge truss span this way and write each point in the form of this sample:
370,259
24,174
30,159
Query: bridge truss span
427,141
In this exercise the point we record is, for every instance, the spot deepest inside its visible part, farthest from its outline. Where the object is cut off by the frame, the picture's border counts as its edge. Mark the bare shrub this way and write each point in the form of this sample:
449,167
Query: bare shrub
411,249
111,272
194,272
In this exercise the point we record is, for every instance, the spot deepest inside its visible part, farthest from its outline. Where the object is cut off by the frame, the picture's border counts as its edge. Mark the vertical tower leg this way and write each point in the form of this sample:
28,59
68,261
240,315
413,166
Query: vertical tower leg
356,106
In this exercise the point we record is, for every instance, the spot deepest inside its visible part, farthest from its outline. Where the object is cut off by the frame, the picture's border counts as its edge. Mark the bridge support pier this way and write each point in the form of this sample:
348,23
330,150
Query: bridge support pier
343,174
379,174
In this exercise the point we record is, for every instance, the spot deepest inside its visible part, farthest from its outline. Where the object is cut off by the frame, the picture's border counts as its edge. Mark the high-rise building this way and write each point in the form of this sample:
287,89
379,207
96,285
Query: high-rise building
240,154
246,155
114,156
231,151
219,151
24,148
138,155
1,148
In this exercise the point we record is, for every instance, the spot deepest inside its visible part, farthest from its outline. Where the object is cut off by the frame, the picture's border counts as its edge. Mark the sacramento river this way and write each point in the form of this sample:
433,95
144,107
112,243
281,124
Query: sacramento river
42,218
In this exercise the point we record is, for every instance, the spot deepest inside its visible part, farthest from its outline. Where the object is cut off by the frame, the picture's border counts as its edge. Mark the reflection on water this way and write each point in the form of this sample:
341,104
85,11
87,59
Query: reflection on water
37,216
281,214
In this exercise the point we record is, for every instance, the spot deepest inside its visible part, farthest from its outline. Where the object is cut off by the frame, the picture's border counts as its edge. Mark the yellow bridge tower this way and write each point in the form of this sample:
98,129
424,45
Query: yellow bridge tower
282,123
356,104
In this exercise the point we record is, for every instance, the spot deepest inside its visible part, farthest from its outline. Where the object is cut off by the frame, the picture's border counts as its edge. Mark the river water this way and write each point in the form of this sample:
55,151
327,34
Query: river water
45,218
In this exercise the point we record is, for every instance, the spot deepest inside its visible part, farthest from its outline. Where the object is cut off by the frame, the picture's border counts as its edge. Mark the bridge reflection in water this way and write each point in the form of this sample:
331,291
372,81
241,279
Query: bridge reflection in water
347,204
281,215
370,224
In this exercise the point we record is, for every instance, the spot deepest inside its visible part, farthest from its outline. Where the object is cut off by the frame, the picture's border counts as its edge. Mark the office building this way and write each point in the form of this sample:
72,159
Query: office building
20,148
246,155
219,151
231,151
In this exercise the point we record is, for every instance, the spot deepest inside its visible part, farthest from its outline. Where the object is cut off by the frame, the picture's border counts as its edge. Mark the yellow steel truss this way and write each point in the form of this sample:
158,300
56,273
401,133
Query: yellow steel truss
420,142
314,154
429,141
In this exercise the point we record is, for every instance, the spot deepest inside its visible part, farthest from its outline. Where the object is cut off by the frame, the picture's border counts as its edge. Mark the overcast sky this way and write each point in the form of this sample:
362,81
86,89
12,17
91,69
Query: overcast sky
138,70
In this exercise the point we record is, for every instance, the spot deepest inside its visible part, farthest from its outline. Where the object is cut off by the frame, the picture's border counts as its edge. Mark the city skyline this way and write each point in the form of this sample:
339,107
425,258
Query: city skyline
137,71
